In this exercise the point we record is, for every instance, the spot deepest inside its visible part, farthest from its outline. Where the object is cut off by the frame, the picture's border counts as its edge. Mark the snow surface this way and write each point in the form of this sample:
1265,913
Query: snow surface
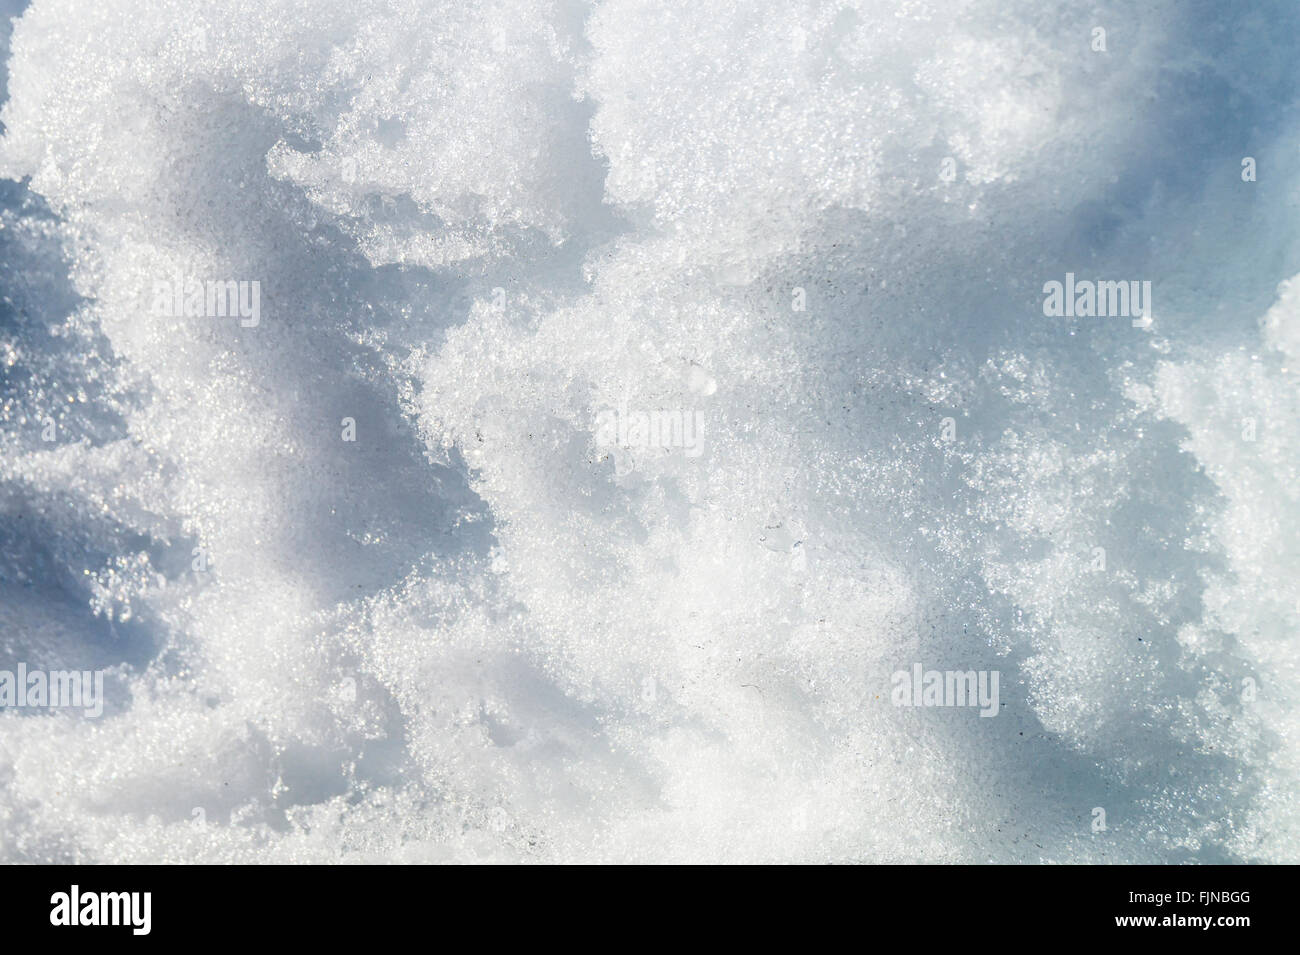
479,633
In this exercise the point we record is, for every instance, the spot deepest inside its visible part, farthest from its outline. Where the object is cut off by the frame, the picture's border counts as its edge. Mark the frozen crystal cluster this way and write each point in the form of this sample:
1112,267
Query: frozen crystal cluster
638,386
